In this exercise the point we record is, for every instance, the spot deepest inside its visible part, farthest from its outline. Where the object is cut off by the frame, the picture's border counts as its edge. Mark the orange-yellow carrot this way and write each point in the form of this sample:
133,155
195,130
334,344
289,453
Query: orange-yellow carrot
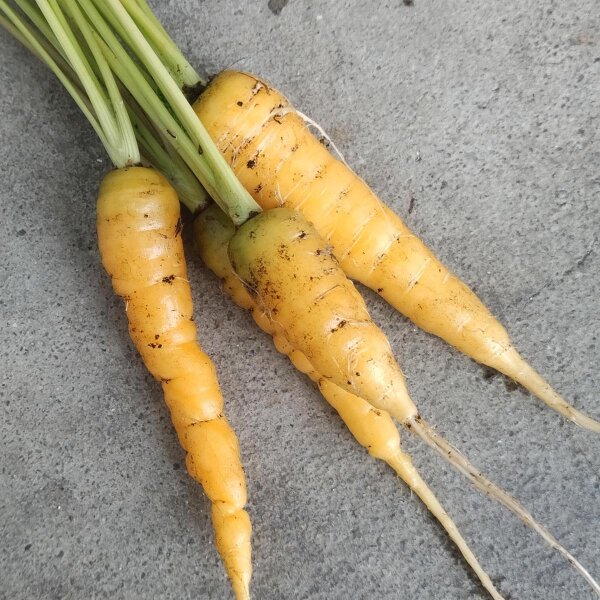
139,235
372,428
297,282
280,162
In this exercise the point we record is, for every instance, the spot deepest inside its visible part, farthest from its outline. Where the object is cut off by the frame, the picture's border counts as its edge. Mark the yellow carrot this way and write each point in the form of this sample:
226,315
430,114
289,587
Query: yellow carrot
139,231
280,162
139,235
372,428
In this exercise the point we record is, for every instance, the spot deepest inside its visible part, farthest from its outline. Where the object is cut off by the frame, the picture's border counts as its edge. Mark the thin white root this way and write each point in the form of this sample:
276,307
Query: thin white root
459,462
281,112
402,464
314,124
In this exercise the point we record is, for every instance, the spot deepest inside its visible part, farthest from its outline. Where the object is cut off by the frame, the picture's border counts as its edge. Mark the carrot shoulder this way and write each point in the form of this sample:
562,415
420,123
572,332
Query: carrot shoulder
139,235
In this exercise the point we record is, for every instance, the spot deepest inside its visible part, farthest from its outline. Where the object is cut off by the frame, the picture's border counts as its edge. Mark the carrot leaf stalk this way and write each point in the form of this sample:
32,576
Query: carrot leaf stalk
182,72
169,53
96,97
225,188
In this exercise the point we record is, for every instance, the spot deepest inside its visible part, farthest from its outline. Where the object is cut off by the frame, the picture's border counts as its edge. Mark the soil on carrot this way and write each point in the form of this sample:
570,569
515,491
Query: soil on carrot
192,92
179,227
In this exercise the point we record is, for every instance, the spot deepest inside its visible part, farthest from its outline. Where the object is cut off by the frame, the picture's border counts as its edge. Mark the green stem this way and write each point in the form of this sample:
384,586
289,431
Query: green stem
189,190
55,18
70,50
123,124
231,196
145,95
35,16
181,70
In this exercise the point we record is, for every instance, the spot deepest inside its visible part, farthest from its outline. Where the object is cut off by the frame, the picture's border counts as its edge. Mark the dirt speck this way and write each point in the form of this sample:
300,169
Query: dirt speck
283,252
411,206
276,6
192,92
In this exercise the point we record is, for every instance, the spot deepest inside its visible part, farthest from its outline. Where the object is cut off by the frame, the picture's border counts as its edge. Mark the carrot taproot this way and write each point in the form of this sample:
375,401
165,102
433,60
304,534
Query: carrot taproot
300,296
298,282
139,236
372,428
281,163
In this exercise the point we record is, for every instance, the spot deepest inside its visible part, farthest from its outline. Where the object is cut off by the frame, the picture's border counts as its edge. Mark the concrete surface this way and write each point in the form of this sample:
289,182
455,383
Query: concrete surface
482,115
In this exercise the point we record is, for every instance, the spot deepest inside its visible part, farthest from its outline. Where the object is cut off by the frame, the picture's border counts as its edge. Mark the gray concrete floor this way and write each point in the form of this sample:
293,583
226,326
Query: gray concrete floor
482,115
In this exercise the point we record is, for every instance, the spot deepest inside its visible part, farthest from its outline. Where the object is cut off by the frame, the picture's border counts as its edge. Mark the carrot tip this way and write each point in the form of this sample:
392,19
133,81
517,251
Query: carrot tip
512,364
402,464
483,484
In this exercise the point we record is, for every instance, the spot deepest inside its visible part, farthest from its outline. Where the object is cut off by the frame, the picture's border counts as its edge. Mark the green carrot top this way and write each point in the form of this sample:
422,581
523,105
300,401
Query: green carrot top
129,78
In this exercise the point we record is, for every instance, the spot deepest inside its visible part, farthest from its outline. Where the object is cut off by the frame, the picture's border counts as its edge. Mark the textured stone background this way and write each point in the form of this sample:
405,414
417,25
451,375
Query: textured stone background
483,115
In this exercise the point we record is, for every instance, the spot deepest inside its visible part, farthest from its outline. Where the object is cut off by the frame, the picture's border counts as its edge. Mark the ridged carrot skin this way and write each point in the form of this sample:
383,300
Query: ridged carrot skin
139,235
296,281
373,429
281,163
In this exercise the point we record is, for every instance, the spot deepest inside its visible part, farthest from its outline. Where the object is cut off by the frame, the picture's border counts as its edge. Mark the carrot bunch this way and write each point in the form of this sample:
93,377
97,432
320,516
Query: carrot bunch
287,233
